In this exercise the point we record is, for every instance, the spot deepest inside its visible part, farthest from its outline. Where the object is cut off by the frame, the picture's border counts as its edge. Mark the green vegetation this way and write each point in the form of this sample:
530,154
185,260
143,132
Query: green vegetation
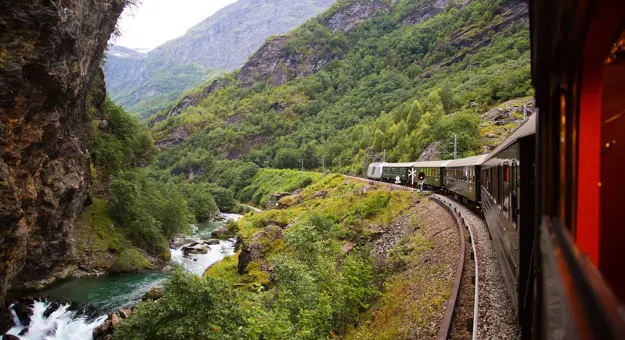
397,88
315,290
268,181
164,85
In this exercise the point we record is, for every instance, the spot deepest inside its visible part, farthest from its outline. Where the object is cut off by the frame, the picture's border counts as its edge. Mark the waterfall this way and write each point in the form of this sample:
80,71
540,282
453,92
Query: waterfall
62,324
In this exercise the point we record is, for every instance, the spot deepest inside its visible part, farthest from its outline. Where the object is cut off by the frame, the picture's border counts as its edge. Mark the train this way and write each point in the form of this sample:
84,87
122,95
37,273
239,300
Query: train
552,193
499,185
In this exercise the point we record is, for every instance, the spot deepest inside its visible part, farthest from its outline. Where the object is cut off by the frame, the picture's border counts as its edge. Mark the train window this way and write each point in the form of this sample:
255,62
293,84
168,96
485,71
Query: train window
506,188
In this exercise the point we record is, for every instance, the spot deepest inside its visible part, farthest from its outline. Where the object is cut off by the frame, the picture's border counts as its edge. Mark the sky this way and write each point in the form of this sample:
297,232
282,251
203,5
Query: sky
154,22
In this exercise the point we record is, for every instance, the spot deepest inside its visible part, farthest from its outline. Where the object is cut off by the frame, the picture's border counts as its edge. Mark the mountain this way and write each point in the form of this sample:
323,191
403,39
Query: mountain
363,79
145,83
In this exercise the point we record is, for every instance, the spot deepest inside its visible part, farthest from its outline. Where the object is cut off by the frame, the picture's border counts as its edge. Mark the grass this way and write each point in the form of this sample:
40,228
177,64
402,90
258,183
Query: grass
344,202
410,298
268,181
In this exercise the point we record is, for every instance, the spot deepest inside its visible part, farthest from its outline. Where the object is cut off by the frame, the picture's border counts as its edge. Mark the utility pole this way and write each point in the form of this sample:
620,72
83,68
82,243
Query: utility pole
340,163
455,146
384,157
323,164
302,164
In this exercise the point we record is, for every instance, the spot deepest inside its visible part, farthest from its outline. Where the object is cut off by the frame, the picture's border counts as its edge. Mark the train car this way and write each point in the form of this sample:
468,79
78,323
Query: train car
578,72
391,171
462,177
506,173
375,171
433,172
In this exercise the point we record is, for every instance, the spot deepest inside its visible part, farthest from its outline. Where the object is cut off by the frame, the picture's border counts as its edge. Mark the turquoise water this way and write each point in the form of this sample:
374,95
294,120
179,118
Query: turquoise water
106,293
114,292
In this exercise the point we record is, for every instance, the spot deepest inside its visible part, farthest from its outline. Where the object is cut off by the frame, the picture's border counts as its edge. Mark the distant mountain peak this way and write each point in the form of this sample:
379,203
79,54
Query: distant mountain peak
223,41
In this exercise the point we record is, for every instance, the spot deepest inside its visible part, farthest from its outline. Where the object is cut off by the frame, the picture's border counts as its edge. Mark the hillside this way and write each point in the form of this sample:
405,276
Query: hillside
363,80
145,83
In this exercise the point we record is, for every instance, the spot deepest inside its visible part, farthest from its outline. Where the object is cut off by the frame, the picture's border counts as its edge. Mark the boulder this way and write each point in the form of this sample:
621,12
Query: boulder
319,194
195,249
277,223
114,319
125,313
10,337
212,242
272,202
153,294
220,233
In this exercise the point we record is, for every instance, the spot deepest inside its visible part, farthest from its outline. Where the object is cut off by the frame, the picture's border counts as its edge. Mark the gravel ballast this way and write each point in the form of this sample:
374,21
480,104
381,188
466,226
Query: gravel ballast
497,319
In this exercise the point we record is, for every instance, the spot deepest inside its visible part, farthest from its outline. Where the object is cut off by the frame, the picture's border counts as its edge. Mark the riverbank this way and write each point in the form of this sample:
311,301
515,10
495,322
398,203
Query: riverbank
94,297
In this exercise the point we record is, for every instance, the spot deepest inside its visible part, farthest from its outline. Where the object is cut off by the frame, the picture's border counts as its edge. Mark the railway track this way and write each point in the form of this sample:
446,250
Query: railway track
482,309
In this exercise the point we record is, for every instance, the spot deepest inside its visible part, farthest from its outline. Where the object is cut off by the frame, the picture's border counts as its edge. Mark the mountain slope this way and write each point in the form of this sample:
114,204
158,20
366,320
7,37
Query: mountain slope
403,77
145,83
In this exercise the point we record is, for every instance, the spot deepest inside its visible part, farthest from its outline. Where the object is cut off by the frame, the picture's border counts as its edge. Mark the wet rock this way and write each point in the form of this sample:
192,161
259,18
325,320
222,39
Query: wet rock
125,313
115,320
10,337
212,242
181,241
153,294
104,331
54,305
6,320
195,249
220,233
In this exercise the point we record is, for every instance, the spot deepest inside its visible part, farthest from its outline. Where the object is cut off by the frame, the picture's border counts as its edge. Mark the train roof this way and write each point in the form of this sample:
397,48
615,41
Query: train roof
526,129
431,164
470,161
398,165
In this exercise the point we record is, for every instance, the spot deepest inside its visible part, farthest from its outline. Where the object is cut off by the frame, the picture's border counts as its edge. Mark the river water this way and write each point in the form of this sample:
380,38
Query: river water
111,293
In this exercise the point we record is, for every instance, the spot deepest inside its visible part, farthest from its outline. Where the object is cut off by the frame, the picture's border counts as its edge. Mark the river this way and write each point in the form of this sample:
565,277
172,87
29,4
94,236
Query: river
111,293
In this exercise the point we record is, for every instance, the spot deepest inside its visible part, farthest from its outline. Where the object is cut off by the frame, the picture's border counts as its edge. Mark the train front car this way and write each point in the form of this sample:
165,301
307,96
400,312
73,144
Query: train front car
433,172
578,71
507,184
462,178
375,171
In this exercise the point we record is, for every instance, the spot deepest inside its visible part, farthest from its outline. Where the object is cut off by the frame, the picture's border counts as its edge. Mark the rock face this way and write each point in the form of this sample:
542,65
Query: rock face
49,52
223,41
275,64
349,17
499,123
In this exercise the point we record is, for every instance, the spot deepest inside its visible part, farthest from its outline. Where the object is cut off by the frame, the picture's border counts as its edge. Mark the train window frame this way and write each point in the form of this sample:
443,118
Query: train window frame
505,190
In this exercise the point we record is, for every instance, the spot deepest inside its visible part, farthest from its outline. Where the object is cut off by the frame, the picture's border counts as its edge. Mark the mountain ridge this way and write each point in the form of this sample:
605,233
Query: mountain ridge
144,84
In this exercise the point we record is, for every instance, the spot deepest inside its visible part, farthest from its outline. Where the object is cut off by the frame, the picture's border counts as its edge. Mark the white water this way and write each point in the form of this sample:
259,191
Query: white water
62,324
197,264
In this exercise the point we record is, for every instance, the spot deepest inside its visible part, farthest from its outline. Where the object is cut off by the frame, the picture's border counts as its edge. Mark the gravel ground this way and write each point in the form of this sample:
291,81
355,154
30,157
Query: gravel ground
441,233
497,319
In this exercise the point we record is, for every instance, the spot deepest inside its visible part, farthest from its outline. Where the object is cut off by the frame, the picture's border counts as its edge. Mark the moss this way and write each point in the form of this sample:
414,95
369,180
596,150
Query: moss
130,260
102,244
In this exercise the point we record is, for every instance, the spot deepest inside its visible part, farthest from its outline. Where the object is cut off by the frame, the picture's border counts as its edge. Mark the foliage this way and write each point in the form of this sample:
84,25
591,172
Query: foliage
268,181
396,89
118,142
149,211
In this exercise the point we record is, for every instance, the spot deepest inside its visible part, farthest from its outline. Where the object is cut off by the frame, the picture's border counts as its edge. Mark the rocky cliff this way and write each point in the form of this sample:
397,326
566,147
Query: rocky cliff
49,51
146,83
276,61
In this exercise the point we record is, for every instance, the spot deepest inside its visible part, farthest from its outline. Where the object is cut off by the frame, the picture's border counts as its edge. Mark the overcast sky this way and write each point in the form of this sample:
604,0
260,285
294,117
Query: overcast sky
154,22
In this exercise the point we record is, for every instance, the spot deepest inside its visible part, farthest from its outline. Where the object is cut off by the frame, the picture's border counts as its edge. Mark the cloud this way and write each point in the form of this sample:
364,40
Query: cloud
154,22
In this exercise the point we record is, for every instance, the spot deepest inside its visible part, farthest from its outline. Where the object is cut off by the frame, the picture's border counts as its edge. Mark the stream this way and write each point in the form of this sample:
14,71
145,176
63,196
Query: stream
93,298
